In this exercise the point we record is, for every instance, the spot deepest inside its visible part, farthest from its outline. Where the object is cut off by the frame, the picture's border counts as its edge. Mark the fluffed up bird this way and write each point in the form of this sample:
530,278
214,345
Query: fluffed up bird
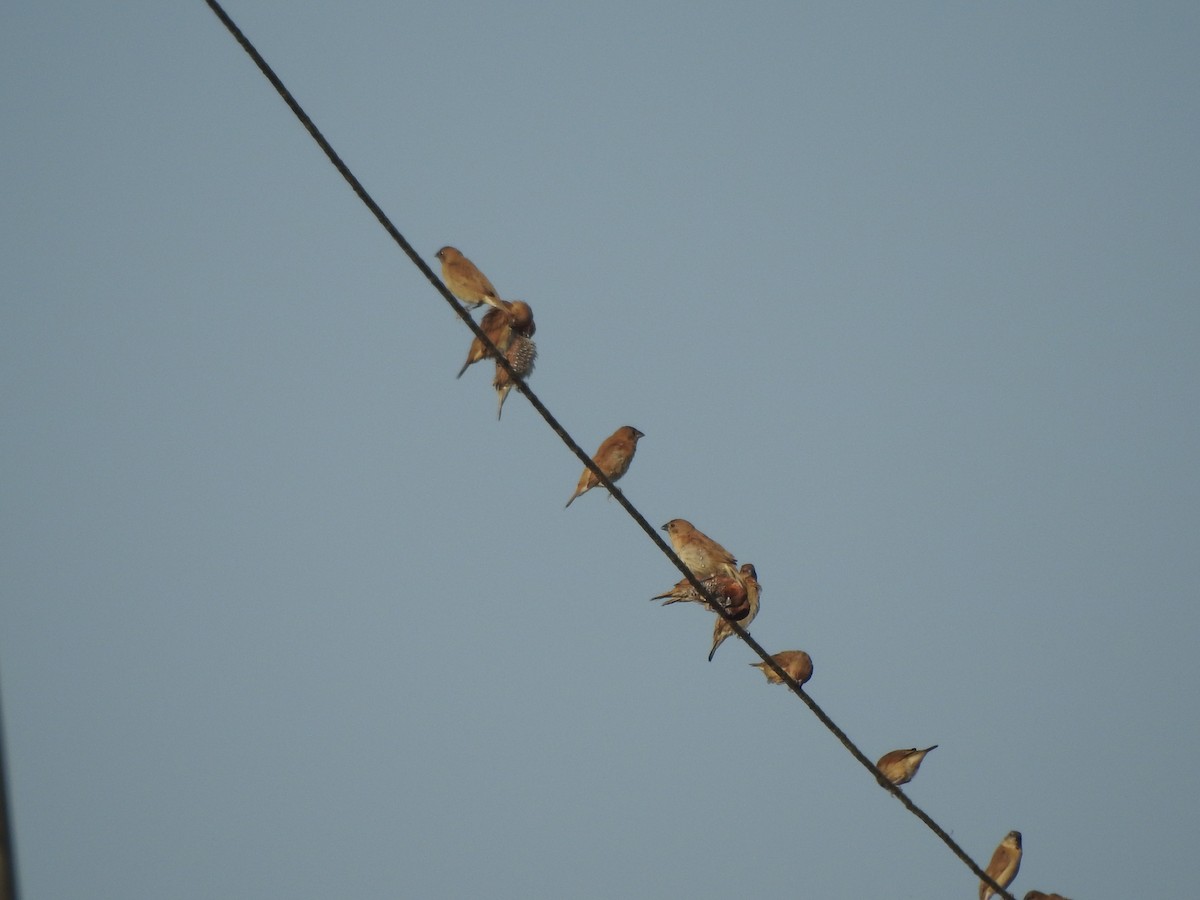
500,324
521,354
796,663
732,592
748,577
700,553
1038,895
613,459
465,281
1005,864
900,766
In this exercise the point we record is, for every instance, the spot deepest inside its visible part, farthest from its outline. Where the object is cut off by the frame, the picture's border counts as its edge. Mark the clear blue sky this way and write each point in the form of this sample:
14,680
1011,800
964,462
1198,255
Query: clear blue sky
905,297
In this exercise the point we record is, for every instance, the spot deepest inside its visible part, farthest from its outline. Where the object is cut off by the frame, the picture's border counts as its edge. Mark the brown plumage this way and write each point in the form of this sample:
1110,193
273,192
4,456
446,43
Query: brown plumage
495,325
500,324
900,766
520,317
748,578
465,281
521,354
796,663
613,459
700,553
682,592
1038,895
1005,864
723,587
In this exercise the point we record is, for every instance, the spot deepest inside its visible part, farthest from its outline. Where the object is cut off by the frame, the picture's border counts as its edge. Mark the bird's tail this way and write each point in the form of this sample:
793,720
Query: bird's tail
718,640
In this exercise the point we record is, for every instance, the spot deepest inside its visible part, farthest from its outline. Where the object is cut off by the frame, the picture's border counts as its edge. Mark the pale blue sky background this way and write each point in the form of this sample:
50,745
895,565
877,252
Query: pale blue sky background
906,298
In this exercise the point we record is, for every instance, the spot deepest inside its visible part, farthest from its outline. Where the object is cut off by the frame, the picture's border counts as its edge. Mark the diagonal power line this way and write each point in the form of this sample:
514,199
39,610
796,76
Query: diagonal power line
8,856
574,447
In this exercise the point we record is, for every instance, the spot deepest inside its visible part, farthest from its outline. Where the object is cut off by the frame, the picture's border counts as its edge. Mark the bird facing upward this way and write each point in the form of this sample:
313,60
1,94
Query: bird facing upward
700,553
900,766
796,663
1005,864
465,281
613,459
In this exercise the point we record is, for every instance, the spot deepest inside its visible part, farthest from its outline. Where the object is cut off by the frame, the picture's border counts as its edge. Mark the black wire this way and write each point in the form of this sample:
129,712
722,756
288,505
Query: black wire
8,854
566,438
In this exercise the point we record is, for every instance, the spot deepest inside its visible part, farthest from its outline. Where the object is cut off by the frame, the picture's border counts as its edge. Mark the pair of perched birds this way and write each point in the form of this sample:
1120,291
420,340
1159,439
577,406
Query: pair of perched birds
737,590
508,324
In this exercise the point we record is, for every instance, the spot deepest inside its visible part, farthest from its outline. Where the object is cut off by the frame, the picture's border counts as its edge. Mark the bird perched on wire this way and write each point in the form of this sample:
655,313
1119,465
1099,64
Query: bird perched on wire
521,354
700,553
900,766
465,281
723,587
796,663
613,459
748,578
500,324
495,325
1005,864
730,591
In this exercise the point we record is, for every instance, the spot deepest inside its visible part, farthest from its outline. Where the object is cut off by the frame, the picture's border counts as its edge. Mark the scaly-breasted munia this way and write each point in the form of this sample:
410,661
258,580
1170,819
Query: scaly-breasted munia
725,589
900,766
521,354
500,324
748,577
613,459
495,324
1005,864
796,663
700,553
465,281
520,316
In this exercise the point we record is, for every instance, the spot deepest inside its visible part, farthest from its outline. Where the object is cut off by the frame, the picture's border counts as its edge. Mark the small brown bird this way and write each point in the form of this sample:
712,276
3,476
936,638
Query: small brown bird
465,281
521,354
613,459
796,663
1005,864
495,324
682,592
521,314
900,766
700,553
748,577
723,587
500,324
1038,895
